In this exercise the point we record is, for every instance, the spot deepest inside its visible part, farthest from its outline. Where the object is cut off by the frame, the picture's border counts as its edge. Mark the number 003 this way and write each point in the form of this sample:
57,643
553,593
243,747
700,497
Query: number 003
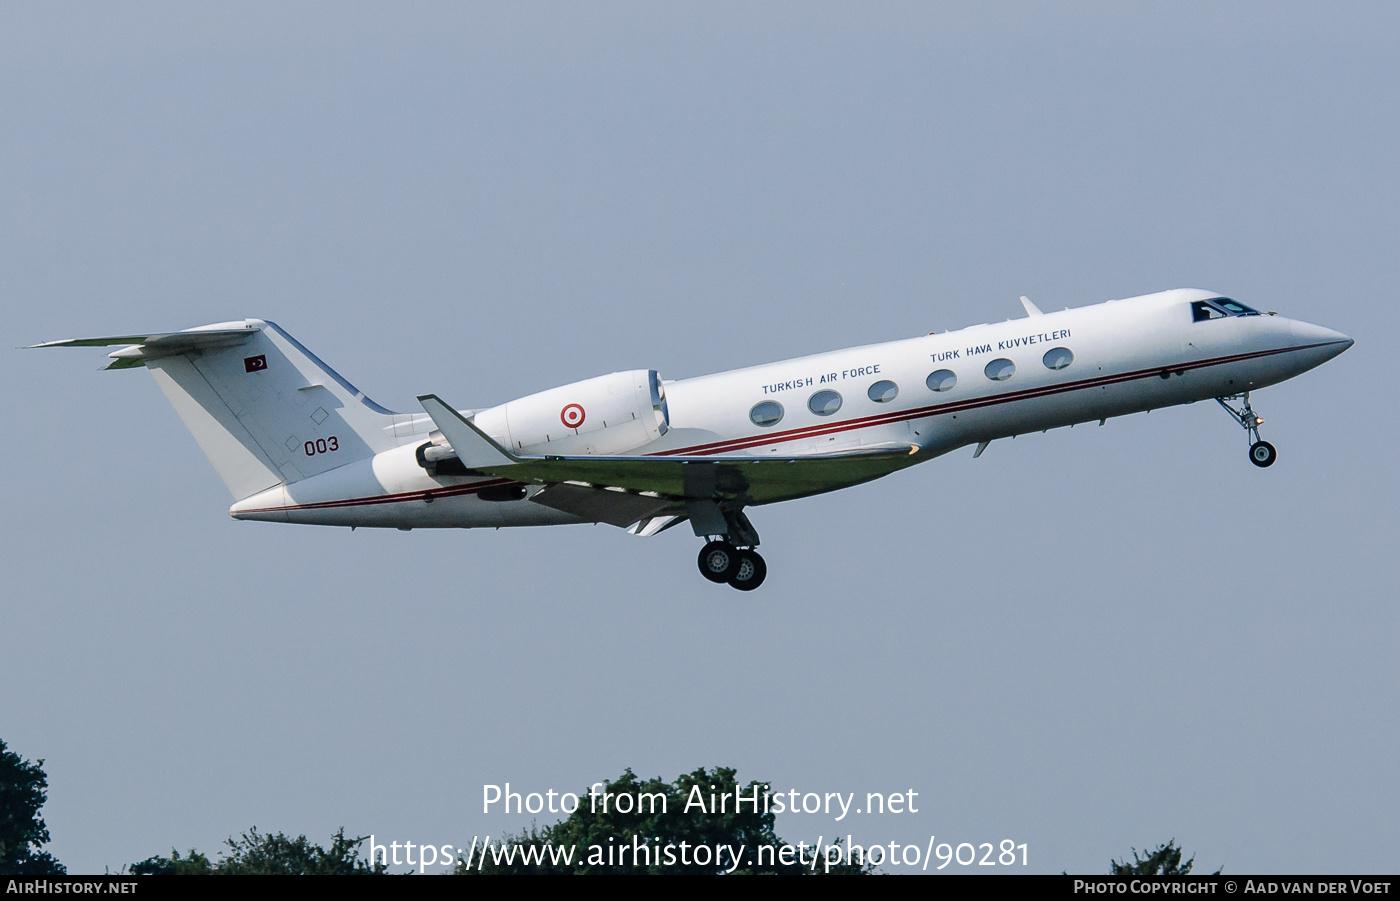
321,446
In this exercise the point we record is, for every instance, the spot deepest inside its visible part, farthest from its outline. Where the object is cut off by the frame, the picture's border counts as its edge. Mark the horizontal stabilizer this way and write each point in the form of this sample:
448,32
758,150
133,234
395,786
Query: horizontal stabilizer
140,348
125,363
190,338
172,342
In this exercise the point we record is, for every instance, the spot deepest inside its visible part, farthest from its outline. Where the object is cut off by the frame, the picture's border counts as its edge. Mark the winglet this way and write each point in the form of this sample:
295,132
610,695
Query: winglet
1031,309
474,449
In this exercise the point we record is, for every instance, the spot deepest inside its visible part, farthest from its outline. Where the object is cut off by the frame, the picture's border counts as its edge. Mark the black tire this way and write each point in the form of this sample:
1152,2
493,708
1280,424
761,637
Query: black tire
1262,453
750,572
718,561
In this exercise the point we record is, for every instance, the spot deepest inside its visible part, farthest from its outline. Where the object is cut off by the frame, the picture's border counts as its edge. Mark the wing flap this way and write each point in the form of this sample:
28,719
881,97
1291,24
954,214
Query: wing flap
616,508
655,525
751,478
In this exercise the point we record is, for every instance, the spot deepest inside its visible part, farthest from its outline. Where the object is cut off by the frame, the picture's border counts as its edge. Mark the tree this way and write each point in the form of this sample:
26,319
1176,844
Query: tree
23,790
594,830
257,854
1165,861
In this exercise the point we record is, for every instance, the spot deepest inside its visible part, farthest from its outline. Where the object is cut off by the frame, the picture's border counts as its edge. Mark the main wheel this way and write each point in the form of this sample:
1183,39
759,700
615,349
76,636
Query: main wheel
1262,453
750,572
718,561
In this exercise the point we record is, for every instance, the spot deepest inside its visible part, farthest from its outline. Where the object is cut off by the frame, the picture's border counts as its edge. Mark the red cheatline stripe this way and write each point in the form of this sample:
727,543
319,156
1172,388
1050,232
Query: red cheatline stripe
719,447
813,431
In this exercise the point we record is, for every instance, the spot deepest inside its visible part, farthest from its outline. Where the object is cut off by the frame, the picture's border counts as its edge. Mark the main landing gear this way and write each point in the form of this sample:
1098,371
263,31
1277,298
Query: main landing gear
1261,453
730,539
742,568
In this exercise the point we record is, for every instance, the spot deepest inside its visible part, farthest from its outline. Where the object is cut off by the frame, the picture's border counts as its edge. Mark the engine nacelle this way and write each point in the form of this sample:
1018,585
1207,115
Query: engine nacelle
610,414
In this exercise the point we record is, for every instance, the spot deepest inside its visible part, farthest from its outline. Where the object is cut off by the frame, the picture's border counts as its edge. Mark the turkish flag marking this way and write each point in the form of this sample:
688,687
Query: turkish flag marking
255,364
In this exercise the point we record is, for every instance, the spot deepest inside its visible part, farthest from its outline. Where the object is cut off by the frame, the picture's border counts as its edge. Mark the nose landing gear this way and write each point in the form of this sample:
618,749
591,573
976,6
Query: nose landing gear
742,568
1261,452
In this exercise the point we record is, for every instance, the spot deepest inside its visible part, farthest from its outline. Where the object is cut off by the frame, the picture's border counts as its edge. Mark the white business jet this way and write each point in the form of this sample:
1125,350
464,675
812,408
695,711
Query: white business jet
295,442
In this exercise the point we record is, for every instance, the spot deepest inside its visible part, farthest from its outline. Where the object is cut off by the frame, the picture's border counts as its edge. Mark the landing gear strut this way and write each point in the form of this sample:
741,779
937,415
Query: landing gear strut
1261,452
742,568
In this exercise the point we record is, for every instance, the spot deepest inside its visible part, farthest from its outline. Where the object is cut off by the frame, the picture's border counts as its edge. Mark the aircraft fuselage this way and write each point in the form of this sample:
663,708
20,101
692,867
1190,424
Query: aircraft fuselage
997,380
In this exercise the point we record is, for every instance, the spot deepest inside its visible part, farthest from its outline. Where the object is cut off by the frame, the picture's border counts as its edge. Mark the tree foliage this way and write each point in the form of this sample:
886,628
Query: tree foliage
258,854
23,790
592,827
1164,861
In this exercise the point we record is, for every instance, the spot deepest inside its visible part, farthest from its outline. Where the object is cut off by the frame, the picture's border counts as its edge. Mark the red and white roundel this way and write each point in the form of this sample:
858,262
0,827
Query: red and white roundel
572,416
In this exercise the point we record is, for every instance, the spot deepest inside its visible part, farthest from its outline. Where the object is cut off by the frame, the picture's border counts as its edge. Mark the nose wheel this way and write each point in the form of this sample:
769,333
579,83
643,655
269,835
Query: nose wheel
742,568
1261,452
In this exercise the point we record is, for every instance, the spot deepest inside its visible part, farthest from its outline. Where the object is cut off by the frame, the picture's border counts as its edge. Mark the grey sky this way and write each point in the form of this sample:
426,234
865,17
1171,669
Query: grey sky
1086,641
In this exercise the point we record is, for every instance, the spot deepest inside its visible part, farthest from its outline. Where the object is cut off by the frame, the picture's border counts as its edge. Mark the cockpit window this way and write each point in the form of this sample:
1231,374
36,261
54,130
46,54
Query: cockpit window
1219,308
1234,307
1202,310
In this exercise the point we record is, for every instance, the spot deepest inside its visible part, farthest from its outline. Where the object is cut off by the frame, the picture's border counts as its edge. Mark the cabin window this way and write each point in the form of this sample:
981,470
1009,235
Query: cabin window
1057,358
824,403
942,380
1000,370
1202,310
883,391
767,413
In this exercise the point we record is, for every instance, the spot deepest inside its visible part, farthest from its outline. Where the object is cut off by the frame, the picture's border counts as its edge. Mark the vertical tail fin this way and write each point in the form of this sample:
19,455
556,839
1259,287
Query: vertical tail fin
264,409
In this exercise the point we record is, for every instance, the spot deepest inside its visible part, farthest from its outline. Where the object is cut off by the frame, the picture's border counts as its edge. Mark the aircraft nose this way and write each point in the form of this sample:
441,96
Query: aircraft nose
1333,341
